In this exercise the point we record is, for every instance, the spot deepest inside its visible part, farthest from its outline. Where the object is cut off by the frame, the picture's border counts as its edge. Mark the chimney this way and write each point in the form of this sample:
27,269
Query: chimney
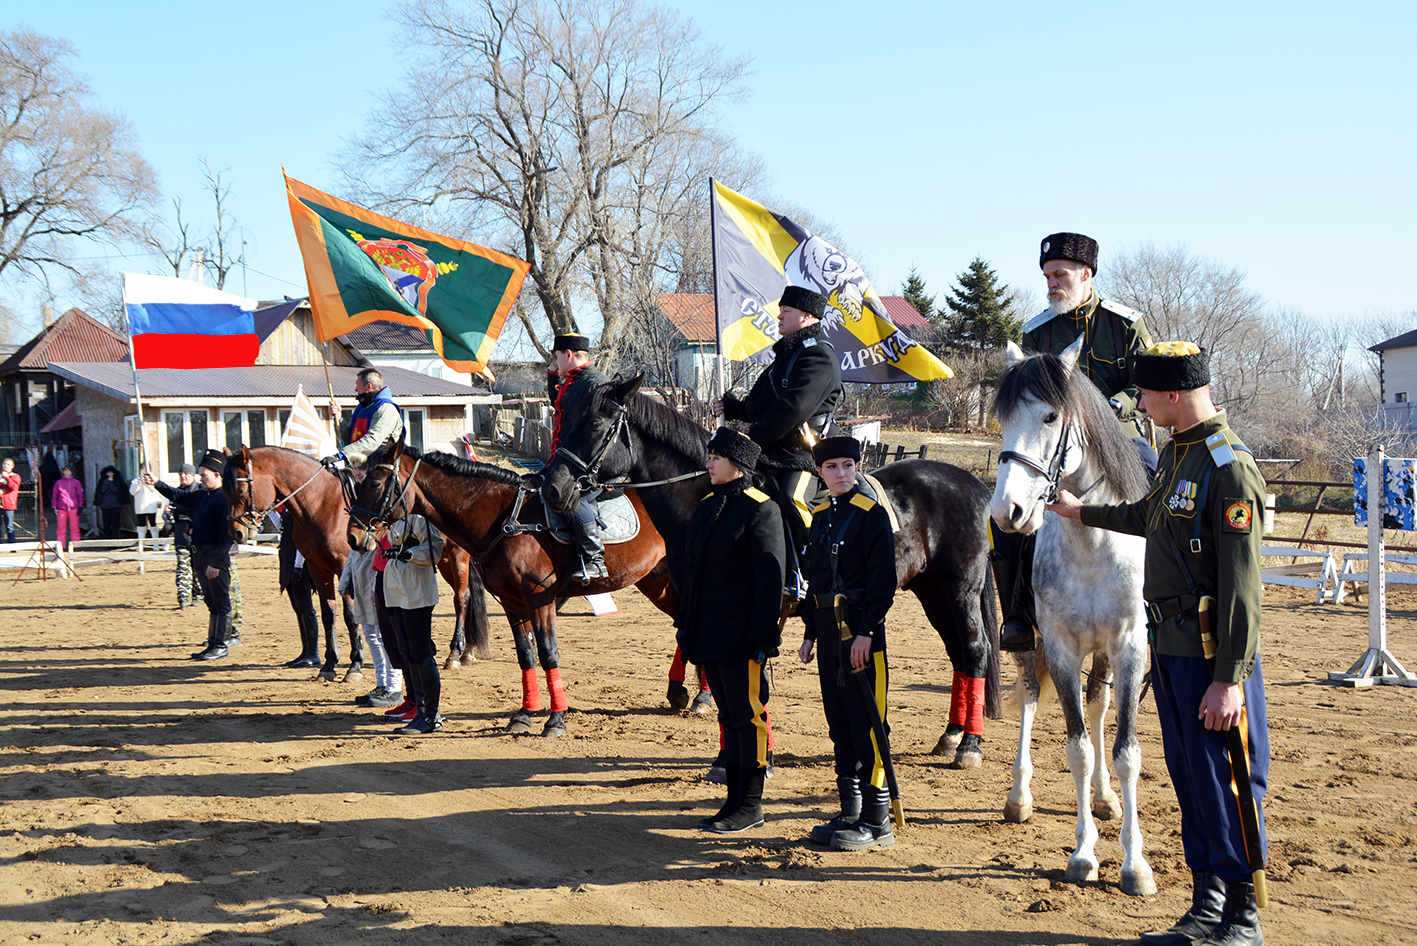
47,313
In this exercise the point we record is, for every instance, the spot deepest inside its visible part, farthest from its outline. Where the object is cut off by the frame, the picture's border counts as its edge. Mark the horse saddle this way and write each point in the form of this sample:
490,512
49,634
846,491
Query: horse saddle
617,519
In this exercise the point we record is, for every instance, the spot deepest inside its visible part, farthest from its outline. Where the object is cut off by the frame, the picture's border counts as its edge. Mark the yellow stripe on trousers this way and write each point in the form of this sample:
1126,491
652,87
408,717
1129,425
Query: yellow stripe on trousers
755,700
878,767
799,496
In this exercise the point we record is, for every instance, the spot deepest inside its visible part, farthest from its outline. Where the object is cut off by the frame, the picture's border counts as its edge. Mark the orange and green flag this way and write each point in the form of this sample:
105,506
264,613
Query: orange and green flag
363,267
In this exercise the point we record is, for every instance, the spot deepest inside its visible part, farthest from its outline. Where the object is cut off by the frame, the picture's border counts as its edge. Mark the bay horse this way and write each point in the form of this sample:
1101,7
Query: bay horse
259,478
1059,431
475,505
942,548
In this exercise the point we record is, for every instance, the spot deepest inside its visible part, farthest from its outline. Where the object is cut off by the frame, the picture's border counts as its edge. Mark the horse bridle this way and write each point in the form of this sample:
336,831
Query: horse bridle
587,482
1053,472
370,519
252,516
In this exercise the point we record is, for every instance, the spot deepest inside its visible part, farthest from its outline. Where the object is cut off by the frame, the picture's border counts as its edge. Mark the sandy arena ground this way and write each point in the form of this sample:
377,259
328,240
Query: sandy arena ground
150,798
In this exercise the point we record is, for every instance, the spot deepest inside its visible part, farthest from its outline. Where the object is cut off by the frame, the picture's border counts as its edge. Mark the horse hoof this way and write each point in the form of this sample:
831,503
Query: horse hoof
678,695
716,775
452,663
553,730
1017,812
353,674
1081,870
1106,808
969,755
520,723
326,675
950,741
1138,883
703,704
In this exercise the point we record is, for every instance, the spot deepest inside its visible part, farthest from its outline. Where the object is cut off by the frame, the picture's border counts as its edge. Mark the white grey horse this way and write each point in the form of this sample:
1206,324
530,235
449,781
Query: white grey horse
1059,431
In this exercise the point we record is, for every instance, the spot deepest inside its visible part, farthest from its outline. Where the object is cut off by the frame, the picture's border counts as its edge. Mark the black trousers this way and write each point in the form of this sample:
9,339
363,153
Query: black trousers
848,720
391,635
740,688
216,591
413,633
111,519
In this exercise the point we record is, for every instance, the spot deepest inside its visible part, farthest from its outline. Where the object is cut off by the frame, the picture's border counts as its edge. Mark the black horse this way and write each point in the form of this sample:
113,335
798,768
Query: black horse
610,432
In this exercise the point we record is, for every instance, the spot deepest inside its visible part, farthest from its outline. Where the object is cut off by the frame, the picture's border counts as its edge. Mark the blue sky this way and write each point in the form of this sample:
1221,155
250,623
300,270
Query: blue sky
1276,138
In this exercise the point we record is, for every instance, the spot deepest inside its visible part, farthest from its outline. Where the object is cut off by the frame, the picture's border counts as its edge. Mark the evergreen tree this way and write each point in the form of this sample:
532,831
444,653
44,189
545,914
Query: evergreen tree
914,293
979,316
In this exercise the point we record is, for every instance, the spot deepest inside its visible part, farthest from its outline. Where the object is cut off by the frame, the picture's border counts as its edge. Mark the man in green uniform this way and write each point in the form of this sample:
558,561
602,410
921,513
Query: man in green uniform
1113,335
1202,520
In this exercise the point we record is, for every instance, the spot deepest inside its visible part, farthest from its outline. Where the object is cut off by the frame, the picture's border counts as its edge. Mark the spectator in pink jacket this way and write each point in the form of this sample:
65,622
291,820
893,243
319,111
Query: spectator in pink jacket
9,496
68,499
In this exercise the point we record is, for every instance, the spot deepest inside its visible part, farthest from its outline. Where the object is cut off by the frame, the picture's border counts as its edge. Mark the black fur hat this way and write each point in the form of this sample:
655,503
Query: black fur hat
736,448
813,303
1070,246
833,448
570,343
1171,366
213,460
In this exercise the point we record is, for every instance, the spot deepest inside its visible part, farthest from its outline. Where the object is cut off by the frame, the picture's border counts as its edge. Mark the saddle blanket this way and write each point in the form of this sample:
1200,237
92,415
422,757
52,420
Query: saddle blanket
617,518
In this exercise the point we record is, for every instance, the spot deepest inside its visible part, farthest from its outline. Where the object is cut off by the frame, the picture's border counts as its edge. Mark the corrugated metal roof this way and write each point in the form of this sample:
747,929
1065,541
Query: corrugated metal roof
74,337
389,337
906,317
1405,340
262,382
691,313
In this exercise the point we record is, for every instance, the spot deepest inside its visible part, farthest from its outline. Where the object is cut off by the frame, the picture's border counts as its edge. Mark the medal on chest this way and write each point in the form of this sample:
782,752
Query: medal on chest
1183,497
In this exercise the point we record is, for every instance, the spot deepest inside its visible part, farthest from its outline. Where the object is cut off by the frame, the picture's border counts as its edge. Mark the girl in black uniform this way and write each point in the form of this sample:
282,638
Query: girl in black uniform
728,617
851,551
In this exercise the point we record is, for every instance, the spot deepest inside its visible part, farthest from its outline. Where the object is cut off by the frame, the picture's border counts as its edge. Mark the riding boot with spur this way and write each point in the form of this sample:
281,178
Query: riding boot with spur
749,813
849,790
221,634
1239,919
873,828
1207,903
1011,557
590,551
733,776
309,641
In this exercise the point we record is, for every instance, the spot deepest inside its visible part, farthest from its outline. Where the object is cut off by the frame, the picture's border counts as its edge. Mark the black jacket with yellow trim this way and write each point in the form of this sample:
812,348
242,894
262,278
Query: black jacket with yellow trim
861,528
737,558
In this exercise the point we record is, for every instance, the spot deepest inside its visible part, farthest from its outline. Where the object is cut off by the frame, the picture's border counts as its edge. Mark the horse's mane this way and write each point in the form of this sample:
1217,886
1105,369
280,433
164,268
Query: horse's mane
449,464
653,420
1048,379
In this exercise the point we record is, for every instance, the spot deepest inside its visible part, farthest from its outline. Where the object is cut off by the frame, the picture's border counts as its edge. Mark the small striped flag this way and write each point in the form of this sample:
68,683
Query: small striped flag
305,431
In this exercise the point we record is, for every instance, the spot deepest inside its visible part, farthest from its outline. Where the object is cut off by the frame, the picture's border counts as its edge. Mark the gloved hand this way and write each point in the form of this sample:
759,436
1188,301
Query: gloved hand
333,462
766,649
405,556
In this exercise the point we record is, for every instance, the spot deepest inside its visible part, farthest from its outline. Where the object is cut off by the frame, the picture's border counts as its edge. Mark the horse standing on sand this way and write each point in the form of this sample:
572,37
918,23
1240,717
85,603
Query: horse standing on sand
258,479
1058,431
478,505
610,431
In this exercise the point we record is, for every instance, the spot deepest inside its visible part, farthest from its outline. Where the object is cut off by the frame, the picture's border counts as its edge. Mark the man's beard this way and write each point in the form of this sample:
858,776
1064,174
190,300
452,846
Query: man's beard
1070,300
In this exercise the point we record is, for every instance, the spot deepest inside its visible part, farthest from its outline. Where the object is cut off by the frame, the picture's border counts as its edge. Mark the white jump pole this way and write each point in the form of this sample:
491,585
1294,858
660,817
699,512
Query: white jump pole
1377,665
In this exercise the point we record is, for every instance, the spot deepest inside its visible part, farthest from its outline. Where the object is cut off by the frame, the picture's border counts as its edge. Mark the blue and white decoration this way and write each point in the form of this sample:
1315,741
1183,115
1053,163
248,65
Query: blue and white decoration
1398,493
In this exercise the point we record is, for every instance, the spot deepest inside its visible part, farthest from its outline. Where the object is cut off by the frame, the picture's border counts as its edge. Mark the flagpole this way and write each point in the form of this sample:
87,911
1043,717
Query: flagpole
717,325
138,399
325,360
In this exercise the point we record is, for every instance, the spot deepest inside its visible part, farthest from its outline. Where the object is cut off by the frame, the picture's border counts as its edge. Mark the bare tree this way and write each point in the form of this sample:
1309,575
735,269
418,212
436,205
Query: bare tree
562,128
217,250
69,169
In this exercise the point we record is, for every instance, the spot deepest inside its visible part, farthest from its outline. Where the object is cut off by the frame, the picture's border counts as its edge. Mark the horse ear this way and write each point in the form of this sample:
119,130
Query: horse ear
628,388
245,457
1072,353
398,447
1013,355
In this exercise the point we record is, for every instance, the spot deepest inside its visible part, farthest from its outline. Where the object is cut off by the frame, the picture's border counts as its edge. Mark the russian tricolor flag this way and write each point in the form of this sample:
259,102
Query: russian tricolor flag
177,323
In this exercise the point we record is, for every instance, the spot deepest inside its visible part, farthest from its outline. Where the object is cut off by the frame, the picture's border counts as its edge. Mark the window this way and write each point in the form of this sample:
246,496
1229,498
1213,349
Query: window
186,438
248,428
282,418
1400,397
413,420
128,459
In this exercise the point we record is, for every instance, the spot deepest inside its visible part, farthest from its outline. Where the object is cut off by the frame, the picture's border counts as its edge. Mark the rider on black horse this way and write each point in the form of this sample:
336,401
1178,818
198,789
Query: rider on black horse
571,360
791,406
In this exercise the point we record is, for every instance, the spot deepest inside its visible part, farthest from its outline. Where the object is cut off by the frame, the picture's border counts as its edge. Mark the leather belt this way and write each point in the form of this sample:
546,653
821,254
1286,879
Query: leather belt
1166,608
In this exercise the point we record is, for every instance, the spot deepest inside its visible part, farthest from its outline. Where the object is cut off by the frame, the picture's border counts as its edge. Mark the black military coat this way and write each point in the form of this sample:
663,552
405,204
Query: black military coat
782,400
861,529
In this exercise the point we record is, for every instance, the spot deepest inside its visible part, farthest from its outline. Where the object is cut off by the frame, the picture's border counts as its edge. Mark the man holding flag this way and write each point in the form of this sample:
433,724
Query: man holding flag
376,420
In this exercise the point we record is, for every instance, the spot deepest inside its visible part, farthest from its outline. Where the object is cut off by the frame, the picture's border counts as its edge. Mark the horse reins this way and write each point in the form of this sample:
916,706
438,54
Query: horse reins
254,516
388,501
1053,471
587,481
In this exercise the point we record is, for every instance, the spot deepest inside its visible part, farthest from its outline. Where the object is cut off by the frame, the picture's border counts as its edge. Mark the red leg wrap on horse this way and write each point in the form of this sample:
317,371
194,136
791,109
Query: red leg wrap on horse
767,718
557,689
974,722
531,691
720,735
959,690
677,670
703,682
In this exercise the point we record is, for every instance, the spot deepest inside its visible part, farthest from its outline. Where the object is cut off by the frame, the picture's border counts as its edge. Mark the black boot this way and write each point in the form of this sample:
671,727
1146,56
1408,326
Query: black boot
431,690
1239,919
1011,558
590,552
1207,901
749,813
309,641
733,777
221,635
849,791
212,639
873,829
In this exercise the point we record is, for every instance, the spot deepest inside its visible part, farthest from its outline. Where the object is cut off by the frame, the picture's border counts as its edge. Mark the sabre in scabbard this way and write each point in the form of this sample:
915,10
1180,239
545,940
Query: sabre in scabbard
878,726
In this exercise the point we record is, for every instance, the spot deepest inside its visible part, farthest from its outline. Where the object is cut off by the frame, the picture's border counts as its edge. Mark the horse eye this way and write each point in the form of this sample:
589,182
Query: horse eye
1051,418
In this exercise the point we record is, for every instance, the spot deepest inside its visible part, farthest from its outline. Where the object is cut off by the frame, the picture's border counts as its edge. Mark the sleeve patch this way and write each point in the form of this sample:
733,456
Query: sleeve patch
1239,514
756,494
863,502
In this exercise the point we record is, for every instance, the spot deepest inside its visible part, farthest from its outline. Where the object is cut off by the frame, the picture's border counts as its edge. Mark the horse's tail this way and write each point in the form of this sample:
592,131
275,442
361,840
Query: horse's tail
989,612
475,613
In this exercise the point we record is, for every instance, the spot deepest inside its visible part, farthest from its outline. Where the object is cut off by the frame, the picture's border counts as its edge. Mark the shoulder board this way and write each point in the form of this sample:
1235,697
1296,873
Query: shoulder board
809,343
1123,311
821,507
863,502
756,494
1039,320
1222,452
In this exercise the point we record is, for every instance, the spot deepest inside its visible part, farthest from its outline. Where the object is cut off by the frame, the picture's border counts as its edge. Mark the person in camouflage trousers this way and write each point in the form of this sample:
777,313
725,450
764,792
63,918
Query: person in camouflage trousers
189,591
